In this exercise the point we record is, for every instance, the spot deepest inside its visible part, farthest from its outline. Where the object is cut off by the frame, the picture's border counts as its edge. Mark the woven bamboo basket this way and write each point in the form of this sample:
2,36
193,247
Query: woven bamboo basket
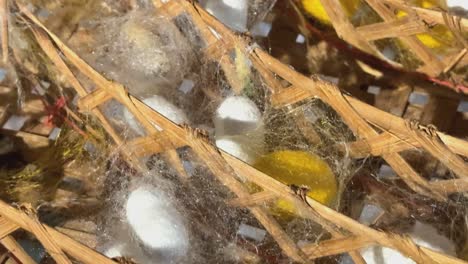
393,136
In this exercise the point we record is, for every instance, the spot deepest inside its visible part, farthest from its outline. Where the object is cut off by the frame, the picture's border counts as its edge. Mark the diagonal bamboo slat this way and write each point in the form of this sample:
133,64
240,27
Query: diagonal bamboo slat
55,242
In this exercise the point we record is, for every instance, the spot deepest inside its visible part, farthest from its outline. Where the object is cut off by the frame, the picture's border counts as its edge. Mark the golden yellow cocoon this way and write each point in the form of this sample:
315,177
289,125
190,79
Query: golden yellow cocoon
439,36
315,9
300,168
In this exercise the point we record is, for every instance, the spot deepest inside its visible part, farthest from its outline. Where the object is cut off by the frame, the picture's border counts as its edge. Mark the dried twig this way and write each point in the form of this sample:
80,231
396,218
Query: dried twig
4,29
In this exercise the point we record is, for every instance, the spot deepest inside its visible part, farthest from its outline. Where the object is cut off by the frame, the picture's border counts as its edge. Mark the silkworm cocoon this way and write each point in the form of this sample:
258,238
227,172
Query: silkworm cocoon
156,222
239,128
300,168
422,234
162,106
237,115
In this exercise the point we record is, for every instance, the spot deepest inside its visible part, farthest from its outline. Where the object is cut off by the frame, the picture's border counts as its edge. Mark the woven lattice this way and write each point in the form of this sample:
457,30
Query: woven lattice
58,245
347,234
417,21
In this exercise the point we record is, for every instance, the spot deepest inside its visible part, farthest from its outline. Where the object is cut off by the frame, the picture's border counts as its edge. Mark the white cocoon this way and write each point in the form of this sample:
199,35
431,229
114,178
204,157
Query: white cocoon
157,223
239,128
422,234
237,115
162,106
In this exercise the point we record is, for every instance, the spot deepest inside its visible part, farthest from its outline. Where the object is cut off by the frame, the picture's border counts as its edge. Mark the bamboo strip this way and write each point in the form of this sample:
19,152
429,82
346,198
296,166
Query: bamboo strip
156,143
398,126
29,138
273,85
455,29
51,52
392,29
4,112
382,119
411,177
451,186
433,65
432,143
90,129
6,227
4,17
216,48
43,235
116,89
385,143
344,28
252,200
93,99
453,61
89,239
75,249
11,245
336,246
429,15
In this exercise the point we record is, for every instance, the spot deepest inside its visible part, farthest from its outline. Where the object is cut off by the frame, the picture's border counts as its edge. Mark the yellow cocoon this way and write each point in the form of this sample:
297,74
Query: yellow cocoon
300,168
439,35
315,9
